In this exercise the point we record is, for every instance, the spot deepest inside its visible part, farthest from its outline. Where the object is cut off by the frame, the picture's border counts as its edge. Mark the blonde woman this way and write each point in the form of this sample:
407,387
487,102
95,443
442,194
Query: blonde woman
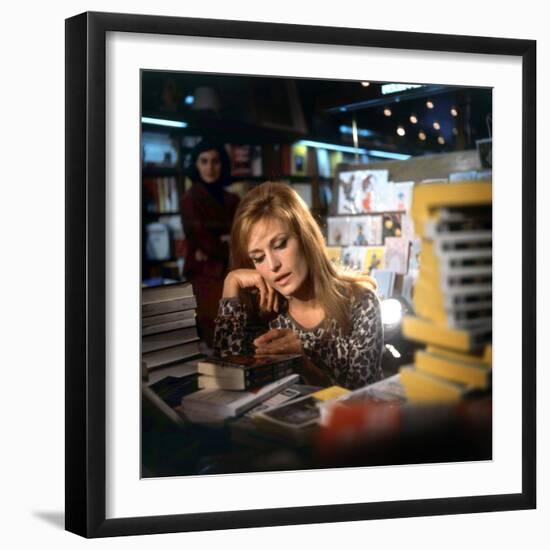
332,318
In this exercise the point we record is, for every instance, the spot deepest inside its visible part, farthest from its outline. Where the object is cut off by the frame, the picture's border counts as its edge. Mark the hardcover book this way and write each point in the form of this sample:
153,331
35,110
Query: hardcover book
239,372
169,339
167,317
465,340
426,388
172,325
477,375
171,355
168,298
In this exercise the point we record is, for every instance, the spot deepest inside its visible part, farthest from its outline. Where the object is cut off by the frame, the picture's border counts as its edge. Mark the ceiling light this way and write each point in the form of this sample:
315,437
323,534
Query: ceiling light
332,147
413,119
422,136
163,122
387,155
387,111
454,112
401,131
429,104
437,126
441,140
393,88
455,131
365,84
346,149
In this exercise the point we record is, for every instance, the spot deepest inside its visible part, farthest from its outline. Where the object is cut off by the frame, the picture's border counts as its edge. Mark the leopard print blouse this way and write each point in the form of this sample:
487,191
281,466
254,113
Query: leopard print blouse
351,360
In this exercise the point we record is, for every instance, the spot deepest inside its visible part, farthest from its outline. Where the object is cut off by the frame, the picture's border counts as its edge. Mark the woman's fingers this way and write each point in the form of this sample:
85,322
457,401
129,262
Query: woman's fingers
269,297
250,278
284,341
271,335
262,287
272,298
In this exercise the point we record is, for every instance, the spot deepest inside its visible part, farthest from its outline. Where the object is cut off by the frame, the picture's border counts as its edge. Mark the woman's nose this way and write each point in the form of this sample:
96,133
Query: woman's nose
273,262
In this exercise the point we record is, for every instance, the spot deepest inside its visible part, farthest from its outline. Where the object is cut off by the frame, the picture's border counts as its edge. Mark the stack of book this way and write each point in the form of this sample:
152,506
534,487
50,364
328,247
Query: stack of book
168,327
240,372
453,293
230,386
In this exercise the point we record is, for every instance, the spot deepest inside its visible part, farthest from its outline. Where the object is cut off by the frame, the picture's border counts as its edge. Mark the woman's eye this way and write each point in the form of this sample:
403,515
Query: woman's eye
282,244
257,260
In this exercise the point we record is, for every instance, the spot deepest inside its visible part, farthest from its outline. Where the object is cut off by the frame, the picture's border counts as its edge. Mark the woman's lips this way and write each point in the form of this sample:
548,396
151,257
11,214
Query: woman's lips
283,280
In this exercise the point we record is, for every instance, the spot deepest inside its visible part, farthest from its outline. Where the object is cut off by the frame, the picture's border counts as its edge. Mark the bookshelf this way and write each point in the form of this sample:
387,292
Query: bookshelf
256,156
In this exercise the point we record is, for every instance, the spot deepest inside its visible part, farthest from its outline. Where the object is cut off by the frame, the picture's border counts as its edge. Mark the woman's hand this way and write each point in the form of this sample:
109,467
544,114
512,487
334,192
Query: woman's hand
278,341
249,278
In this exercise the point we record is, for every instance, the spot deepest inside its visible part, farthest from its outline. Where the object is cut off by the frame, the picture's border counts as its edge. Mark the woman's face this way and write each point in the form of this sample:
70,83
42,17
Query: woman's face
277,256
209,166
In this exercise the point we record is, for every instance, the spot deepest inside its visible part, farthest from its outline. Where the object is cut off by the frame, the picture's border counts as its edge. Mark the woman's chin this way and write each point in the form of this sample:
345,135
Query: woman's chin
286,292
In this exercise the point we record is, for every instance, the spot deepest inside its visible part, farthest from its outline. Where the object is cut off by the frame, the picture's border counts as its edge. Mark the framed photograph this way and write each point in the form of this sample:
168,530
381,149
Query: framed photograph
111,489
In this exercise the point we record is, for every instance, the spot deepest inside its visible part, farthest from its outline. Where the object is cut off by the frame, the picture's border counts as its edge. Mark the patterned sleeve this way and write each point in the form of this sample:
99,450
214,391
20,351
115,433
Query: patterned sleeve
355,360
231,336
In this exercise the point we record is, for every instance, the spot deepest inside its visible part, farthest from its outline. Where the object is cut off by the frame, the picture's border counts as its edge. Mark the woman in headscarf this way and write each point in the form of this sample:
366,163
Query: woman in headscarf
207,212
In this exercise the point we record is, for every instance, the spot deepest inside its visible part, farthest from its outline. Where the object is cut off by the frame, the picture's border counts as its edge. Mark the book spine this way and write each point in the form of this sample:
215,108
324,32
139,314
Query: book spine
156,308
177,354
167,327
167,318
250,377
156,345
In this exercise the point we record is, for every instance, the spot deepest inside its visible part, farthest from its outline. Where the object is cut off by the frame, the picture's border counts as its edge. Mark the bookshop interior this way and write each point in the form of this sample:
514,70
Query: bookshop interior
316,273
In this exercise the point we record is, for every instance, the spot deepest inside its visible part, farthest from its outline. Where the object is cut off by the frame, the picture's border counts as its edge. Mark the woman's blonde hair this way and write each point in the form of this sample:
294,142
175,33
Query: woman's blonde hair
333,287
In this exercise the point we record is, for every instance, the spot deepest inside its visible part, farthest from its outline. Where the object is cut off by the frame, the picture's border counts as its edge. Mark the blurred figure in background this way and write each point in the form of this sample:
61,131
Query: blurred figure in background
207,212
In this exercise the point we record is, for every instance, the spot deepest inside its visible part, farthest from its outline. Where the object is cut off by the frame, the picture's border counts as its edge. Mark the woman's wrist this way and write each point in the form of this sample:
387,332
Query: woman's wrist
230,288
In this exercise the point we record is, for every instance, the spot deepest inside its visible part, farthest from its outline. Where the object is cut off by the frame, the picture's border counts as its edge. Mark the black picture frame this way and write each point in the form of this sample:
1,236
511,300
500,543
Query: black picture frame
86,263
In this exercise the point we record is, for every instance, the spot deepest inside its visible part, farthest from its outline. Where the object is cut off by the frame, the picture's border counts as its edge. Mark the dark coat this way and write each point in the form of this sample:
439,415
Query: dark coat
205,221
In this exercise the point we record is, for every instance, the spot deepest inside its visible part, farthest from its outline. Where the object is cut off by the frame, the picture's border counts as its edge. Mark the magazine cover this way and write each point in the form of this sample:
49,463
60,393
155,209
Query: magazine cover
403,194
348,189
365,191
374,258
338,231
391,225
366,230
334,254
353,257
407,227
397,254
375,192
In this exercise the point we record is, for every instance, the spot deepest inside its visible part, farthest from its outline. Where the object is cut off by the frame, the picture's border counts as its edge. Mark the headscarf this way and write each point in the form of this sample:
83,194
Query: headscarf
215,189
